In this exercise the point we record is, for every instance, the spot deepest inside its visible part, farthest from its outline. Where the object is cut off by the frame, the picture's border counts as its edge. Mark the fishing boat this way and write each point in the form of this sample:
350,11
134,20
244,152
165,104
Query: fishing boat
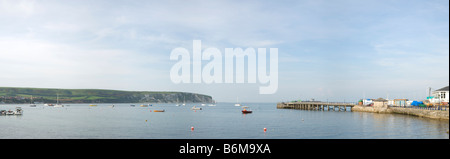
195,108
245,110
159,110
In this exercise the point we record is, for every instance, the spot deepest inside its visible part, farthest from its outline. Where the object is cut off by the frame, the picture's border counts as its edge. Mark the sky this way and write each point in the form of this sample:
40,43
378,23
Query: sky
335,50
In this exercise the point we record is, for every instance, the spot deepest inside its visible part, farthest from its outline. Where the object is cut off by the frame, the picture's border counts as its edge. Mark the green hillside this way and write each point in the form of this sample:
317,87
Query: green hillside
46,95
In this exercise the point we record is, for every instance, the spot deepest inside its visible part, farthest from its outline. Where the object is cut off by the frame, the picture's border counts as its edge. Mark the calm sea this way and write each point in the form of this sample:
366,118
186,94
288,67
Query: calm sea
224,121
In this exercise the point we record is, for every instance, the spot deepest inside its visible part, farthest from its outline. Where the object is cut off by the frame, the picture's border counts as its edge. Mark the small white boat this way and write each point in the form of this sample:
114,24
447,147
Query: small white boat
203,104
18,111
9,112
237,103
57,102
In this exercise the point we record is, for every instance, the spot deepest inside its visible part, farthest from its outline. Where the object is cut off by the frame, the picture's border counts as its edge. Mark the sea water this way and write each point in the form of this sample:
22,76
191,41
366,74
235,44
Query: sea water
223,121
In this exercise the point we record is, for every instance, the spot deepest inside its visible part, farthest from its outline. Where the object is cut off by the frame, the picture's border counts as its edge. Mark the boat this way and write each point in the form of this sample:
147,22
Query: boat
203,104
159,110
31,102
132,105
213,104
184,100
57,102
50,105
237,102
92,105
178,104
2,112
195,108
18,111
9,112
245,110
143,105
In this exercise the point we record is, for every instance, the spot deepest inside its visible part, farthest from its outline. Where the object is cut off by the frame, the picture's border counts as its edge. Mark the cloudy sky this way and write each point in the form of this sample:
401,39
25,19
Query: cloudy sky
332,50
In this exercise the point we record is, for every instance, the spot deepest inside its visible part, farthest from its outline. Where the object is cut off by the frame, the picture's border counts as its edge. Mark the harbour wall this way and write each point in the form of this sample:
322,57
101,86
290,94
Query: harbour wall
434,114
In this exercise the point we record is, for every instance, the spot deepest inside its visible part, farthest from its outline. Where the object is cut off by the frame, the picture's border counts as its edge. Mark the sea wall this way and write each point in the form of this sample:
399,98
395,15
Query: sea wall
434,114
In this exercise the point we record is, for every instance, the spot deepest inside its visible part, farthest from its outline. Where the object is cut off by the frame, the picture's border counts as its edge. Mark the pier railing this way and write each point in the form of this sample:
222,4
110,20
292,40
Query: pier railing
320,106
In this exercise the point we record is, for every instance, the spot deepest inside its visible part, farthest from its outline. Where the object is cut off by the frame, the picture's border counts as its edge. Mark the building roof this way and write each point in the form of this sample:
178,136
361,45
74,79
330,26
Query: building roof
443,89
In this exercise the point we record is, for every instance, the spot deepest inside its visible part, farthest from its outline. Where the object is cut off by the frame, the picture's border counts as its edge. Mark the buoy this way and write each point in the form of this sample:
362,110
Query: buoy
265,129
145,120
192,128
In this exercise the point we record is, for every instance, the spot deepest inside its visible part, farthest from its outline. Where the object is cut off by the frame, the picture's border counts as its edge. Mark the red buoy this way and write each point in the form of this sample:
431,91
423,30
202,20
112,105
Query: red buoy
265,129
192,128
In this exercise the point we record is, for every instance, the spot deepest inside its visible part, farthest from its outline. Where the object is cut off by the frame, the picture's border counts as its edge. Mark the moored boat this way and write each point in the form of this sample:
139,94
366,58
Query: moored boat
195,108
245,110
159,110
18,111
9,112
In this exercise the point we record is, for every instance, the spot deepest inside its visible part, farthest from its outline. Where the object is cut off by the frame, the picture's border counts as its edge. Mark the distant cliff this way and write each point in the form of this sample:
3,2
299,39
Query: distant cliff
45,95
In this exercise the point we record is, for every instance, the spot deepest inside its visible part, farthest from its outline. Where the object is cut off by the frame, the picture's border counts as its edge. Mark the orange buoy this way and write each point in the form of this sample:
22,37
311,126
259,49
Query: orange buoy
265,129
192,128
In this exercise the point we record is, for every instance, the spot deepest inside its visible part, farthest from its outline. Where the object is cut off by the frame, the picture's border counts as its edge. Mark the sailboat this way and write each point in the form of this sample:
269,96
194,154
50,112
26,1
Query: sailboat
31,102
237,102
213,105
178,104
57,102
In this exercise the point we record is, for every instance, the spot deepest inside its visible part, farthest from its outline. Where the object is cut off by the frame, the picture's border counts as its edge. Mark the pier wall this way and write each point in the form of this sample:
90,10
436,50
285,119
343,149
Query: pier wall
434,114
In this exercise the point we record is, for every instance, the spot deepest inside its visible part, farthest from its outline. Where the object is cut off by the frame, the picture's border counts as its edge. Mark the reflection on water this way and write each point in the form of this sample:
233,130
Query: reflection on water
219,122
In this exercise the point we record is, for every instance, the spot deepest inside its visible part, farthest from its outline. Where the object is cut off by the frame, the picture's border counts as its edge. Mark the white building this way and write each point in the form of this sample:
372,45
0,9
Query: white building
442,94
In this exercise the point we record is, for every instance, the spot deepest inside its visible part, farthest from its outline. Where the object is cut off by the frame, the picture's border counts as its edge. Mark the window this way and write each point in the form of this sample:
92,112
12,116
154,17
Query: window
442,95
